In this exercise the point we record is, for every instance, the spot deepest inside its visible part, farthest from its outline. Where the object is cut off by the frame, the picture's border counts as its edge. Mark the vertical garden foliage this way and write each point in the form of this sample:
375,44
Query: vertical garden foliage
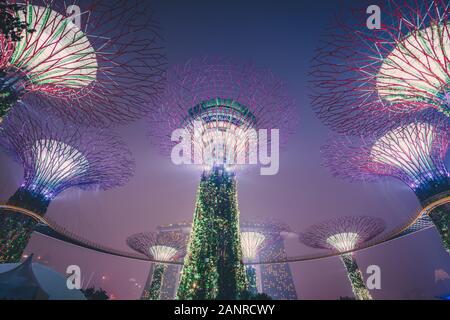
356,278
156,284
251,278
16,229
213,267
441,219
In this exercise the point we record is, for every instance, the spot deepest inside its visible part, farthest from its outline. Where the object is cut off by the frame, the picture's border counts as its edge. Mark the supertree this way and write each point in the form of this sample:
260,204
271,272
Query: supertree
275,279
219,105
362,73
258,237
251,242
162,247
413,153
343,235
96,62
55,156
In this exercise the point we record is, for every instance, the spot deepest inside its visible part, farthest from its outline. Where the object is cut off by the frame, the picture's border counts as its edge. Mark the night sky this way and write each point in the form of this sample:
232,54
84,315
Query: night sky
281,36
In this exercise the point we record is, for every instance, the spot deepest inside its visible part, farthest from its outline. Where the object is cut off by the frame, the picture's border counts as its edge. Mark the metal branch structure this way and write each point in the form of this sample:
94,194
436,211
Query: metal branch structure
222,105
342,235
217,107
413,153
96,62
361,75
55,156
166,246
251,242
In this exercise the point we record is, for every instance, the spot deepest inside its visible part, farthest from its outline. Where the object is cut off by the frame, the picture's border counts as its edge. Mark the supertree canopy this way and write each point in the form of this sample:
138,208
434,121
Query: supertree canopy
96,62
414,153
162,247
55,156
342,235
362,74
251,242
219,105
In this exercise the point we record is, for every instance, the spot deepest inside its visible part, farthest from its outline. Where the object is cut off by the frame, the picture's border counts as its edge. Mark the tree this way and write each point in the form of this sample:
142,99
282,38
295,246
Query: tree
95,294
247,295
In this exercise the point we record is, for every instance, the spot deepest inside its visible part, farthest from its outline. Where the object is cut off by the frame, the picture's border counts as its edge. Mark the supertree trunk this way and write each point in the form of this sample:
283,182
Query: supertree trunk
356,278
441,219
440,216
154,289
15,228
213,267
146,292
251,278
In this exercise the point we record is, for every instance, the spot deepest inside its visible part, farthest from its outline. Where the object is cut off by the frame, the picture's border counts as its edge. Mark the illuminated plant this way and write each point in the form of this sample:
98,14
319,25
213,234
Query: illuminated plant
162,247
221,106
413,153
360,75
96,61
342,235
213,266
55,156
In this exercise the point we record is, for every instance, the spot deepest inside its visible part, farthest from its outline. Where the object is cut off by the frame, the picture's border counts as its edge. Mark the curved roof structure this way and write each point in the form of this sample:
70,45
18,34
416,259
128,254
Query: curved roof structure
33,281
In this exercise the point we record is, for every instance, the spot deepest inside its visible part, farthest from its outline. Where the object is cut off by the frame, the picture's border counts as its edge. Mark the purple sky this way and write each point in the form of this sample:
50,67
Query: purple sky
282,37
